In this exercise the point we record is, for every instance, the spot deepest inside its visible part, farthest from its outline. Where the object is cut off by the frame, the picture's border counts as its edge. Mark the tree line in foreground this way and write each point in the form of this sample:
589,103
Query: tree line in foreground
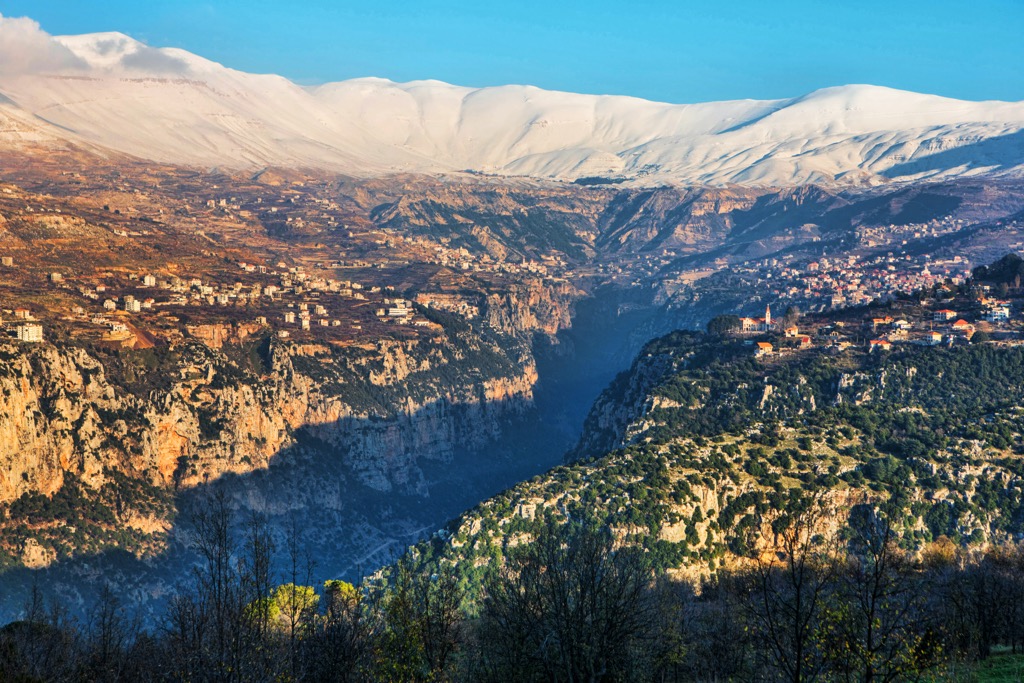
577,602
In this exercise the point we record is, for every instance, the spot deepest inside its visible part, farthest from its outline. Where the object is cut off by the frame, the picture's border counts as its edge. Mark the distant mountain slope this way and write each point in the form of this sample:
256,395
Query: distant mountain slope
111,92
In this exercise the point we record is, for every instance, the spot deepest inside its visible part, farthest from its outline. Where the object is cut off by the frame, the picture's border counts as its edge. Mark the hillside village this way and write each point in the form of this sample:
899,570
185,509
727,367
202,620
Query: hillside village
853,280
115,305
151,271
949,315
291,257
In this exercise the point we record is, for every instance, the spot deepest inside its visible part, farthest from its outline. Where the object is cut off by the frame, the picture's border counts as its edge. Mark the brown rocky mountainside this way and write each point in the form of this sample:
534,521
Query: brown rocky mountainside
370,357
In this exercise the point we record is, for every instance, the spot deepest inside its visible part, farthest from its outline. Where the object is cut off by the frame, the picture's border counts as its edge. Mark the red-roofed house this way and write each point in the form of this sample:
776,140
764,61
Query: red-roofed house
963,327
879,345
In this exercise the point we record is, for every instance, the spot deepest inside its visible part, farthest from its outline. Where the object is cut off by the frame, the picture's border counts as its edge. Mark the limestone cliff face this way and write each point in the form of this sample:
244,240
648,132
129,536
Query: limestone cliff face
216,335
691,520
384,452
671,218
61,413
618,414
531,307
41,423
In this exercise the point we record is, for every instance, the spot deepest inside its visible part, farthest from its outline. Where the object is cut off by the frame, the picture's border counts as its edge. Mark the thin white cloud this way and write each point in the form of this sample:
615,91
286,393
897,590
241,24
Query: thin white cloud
150,59
25,48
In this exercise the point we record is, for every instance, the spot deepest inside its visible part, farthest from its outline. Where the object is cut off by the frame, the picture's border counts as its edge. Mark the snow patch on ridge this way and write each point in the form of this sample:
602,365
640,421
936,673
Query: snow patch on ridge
110,91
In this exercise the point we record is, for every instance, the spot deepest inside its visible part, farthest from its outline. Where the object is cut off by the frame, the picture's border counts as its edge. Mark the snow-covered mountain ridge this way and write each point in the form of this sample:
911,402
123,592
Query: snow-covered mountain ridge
110,92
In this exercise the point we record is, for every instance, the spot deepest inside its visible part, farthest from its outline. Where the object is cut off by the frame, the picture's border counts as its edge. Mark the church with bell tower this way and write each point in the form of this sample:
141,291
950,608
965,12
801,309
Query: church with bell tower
764,324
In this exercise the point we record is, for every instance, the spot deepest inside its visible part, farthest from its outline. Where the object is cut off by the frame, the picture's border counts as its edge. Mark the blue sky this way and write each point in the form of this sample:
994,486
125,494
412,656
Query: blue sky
674,51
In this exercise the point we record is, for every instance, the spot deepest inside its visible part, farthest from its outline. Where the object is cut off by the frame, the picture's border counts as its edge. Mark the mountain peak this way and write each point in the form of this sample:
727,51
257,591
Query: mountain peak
113,51
207,115
101,50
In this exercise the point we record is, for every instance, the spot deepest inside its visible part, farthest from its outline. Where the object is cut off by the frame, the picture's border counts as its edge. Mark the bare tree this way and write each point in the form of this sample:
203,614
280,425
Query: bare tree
217,629
41,646
108,638
299,596
569,605
439,603
337,649
793,576
880,630
255,571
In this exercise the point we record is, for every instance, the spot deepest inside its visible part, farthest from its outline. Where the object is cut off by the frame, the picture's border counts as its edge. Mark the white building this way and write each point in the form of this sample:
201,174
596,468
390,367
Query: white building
764,324
998,314
29,332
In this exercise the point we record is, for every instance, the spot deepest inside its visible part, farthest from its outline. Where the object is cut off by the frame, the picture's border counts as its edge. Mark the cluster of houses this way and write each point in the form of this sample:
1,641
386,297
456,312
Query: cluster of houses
301,208
941,326
462,259
849,281
871,236
23,326
304,300
451,303
945,326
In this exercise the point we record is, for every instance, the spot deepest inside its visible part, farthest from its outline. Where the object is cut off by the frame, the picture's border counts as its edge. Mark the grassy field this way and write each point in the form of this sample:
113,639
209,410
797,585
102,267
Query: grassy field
1002,667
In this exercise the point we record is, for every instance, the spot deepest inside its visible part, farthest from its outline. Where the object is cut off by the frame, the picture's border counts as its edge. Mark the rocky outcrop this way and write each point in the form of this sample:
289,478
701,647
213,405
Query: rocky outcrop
49,405
61,413
216,335
531,306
